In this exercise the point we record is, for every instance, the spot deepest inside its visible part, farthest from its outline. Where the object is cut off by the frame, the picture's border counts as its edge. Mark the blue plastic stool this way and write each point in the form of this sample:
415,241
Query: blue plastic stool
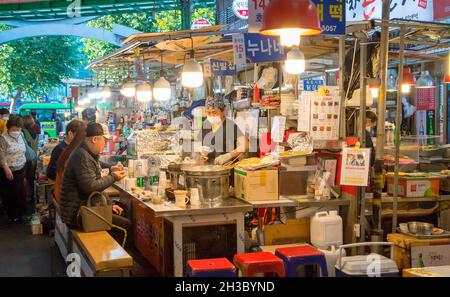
217,267
301,255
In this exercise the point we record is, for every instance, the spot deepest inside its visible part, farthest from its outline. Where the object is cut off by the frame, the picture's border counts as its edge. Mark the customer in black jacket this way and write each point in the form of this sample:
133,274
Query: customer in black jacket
82,176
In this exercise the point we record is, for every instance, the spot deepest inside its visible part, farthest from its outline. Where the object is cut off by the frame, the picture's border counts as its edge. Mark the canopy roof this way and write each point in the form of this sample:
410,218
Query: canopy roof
35,10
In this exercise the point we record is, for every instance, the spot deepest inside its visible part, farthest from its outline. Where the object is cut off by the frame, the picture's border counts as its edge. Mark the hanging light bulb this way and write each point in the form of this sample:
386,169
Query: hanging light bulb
144,92
106,91
192,75
128,89
290,19
374,89
425,80
161,88
408,81
295,62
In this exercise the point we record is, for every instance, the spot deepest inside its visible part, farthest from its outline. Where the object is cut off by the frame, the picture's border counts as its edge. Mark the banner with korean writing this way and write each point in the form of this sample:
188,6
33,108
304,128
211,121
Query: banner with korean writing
222,68
259,48
312,84
239,49
331,14
364,10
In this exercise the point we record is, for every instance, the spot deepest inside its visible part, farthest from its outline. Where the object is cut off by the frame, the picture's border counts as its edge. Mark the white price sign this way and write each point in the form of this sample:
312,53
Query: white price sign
255,14
240,8
239,49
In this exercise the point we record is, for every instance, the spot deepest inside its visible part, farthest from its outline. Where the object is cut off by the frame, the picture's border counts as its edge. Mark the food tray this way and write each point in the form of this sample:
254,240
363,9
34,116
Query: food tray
446,234
440,151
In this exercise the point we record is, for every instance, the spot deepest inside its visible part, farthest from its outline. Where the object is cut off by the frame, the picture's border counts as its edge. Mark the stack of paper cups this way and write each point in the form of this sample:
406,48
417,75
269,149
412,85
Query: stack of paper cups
129,183
131,168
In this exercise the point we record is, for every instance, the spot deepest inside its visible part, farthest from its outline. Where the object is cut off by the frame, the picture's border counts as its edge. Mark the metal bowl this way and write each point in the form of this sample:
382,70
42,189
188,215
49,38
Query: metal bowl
420,228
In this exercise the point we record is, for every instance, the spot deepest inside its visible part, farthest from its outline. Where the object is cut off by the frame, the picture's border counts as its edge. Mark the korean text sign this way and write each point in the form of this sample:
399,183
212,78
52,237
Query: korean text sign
222,68
331,14
259,48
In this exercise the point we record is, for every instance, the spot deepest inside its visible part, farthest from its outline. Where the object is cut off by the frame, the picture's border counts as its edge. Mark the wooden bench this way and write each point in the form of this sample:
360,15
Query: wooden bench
100,254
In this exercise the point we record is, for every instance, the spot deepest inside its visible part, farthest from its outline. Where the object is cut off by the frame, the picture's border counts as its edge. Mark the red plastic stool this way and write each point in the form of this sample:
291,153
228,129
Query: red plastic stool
263,262
302,255
217,267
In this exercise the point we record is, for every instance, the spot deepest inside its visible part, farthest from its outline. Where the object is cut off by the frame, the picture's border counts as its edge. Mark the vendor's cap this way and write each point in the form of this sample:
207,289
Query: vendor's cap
96,129
215,102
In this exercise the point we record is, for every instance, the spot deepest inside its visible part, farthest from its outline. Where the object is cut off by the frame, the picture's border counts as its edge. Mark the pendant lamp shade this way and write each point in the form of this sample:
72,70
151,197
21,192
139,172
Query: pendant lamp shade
290,19
408,80
192,74
128,89
161,89
106,92
295,62
144,92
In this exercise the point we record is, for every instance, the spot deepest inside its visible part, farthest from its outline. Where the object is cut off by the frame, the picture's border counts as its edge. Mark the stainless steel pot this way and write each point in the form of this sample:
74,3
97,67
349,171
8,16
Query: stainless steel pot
212,181
175,173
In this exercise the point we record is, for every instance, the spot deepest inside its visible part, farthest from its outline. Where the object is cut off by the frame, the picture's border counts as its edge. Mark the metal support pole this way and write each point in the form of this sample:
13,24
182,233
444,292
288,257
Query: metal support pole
362,127
342,122
186,14
397,125
381,112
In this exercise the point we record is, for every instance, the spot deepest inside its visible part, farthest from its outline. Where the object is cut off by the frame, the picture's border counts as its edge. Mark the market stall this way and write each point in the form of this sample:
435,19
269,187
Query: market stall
311,153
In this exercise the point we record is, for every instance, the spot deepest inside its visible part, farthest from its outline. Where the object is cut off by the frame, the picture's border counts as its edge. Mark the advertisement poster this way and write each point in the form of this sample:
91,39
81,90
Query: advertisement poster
425,114
324,117
355,167
415,10
304,111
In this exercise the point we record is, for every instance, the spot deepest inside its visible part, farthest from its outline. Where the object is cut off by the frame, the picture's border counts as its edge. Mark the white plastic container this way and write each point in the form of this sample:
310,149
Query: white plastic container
326,229
331,256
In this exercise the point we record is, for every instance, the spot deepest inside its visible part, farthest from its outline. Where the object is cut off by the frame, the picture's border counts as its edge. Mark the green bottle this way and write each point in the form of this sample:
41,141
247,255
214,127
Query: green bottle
430,126
421,264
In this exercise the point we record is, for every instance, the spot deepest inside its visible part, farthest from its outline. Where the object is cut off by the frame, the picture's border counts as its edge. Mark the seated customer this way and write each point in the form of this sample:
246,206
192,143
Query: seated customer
77,138
71,129
83,176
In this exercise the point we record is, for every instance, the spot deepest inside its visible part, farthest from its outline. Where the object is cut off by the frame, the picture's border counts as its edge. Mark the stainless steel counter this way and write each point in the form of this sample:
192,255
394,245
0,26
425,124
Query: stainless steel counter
169,209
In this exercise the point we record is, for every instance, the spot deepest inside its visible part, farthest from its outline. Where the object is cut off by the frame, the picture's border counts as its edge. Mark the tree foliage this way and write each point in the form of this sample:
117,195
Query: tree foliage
32,67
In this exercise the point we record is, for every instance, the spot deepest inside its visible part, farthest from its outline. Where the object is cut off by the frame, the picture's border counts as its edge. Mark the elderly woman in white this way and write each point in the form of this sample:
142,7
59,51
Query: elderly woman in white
12,169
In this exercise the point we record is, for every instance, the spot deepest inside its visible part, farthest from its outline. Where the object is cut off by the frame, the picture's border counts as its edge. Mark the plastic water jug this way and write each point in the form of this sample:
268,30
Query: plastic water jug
326,229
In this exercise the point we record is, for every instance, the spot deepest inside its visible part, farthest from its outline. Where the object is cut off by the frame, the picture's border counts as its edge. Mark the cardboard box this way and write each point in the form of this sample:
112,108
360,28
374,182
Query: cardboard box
404,245
295,230
414,187
256,185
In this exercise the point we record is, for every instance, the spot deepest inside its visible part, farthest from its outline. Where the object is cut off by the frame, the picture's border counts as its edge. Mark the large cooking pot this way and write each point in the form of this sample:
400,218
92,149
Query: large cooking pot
213,181
176,176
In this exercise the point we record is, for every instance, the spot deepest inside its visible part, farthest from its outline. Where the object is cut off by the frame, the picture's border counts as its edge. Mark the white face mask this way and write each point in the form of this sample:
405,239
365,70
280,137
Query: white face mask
6,118
15,134
215,120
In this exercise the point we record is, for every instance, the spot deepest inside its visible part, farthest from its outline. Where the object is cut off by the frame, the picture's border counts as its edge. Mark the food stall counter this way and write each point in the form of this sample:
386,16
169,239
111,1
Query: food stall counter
227,205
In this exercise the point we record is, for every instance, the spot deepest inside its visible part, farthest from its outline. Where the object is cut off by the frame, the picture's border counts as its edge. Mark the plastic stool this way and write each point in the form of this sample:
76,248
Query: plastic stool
262,262
301,255
217,267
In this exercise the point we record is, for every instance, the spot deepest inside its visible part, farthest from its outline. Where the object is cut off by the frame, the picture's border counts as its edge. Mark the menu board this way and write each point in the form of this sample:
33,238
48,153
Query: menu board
325,111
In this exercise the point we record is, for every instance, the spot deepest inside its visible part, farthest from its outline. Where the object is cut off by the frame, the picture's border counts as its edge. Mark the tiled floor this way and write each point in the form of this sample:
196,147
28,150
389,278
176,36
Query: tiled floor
24,254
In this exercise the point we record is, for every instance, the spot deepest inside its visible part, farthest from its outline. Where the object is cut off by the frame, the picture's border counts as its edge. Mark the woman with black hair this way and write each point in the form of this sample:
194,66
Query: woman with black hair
12,168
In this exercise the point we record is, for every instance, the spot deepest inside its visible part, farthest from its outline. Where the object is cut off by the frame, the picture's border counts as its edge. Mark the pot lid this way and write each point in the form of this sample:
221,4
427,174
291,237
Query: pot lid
206,169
